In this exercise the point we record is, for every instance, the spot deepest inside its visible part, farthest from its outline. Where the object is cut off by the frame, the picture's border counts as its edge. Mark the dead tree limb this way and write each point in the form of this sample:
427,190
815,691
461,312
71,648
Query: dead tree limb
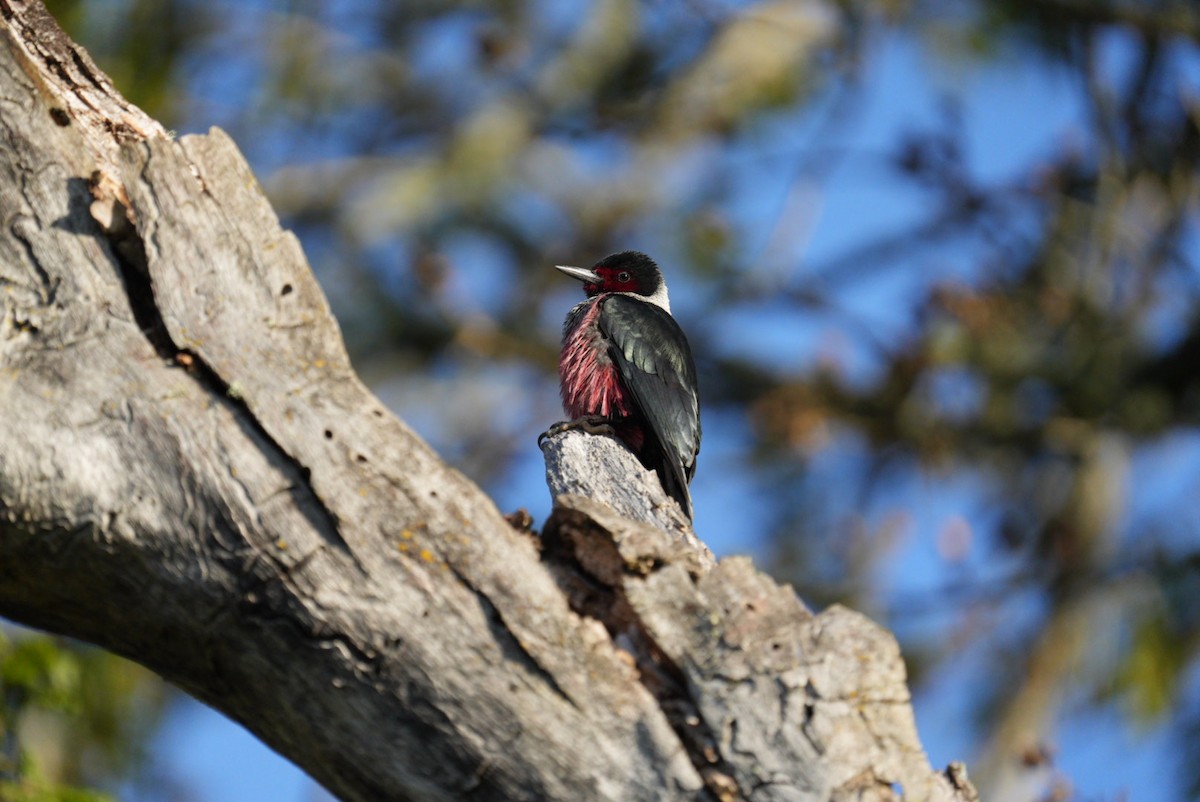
191,475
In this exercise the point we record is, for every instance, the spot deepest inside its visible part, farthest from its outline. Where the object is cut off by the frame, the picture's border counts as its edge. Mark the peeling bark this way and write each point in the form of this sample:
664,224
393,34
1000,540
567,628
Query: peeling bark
191,475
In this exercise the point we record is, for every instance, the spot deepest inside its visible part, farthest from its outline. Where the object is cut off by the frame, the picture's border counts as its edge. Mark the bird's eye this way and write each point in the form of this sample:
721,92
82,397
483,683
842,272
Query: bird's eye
623,276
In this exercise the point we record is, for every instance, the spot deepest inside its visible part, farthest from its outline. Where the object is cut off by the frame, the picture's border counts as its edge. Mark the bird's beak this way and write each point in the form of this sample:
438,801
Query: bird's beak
581,273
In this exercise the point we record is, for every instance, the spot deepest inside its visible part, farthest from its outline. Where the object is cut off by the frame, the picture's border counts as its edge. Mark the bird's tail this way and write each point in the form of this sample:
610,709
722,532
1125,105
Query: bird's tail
675,483
671,474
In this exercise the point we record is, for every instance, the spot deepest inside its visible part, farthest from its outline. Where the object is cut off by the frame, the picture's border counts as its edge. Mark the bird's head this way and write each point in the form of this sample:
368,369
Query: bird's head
628,271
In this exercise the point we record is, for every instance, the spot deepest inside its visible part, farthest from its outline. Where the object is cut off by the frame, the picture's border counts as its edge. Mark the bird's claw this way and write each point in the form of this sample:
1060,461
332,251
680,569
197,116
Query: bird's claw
592,424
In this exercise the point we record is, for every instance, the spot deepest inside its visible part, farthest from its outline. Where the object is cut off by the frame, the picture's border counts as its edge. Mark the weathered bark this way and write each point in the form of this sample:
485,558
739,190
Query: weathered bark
191,475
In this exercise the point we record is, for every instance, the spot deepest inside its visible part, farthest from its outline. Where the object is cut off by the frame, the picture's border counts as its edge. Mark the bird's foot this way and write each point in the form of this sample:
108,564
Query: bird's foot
592,424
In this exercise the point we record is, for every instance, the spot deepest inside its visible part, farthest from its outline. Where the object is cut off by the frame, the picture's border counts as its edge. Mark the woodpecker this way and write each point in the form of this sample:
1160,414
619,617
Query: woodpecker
626,368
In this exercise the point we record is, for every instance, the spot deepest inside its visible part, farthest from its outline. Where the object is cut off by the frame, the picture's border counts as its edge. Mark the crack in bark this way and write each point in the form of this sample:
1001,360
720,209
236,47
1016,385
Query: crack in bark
592,572
129,257
49,286
86,71
128,252
508,642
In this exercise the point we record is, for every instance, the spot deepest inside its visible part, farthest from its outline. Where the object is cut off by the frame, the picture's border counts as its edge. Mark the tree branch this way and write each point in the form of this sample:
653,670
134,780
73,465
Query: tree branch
191,475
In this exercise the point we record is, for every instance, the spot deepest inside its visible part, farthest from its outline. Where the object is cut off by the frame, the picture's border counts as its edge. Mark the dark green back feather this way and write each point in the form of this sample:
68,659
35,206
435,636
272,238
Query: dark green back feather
644,343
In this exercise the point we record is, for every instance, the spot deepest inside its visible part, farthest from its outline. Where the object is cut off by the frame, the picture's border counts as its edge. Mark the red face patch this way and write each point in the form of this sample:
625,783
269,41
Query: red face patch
615,280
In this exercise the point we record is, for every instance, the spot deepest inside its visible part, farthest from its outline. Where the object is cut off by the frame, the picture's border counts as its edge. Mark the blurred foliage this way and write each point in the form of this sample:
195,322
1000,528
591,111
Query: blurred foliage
39,792
994,370
70,716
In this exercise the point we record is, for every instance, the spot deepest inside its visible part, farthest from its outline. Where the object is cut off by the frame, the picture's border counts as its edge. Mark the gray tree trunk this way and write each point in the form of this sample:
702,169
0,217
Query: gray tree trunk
191,475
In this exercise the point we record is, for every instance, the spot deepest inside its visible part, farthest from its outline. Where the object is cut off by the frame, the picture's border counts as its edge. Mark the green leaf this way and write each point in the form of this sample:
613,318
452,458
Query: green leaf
37,670
1150,672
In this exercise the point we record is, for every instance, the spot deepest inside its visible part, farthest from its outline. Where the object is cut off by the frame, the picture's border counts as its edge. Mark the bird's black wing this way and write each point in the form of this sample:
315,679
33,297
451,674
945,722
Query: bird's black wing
655,363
